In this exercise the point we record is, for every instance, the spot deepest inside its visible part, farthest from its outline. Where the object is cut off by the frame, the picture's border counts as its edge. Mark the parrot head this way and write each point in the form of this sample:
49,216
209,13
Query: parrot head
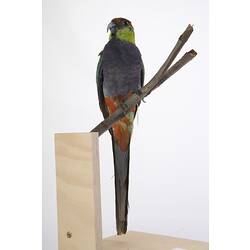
122,29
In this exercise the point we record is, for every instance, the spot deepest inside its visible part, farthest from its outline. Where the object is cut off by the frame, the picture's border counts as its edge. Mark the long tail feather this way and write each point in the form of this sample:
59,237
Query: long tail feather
121,165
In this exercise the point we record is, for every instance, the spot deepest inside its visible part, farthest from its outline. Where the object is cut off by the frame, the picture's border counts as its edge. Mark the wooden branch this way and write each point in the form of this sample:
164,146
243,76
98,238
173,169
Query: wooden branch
180,43
163,74
188,56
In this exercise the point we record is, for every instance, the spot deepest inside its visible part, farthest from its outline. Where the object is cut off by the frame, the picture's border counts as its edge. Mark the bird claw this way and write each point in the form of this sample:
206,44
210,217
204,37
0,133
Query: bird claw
139,92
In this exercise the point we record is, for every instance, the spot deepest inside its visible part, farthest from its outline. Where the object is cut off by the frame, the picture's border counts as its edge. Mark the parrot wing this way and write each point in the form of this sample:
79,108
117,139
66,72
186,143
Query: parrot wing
142,75
99,82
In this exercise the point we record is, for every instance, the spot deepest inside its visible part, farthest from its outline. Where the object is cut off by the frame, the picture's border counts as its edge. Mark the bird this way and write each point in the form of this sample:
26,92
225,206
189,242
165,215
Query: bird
119,74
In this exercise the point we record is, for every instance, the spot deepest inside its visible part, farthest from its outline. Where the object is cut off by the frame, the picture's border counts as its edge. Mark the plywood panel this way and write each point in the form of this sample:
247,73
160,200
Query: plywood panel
78,191
145,241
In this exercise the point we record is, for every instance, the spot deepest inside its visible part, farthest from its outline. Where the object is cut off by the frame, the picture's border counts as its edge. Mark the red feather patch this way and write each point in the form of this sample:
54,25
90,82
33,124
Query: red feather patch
122,129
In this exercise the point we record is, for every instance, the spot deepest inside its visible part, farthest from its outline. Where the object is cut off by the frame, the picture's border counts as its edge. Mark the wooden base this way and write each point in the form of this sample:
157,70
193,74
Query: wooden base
79,202
145,241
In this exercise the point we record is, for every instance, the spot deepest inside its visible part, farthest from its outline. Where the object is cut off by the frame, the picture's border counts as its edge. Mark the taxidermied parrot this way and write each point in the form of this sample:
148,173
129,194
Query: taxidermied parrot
120,73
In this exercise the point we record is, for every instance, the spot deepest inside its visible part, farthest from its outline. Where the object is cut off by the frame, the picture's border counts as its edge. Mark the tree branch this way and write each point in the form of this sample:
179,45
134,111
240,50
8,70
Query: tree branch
162,75
180,43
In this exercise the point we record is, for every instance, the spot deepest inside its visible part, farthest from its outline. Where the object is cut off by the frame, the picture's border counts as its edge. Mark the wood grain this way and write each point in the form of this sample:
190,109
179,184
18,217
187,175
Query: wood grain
146,241
78,191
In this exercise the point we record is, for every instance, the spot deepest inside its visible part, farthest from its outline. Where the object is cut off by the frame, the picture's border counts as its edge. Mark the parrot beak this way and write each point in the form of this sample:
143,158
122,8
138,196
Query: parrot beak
111,27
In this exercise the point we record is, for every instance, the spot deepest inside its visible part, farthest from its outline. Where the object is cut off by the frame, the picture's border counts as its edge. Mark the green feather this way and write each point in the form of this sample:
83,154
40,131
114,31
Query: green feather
125,34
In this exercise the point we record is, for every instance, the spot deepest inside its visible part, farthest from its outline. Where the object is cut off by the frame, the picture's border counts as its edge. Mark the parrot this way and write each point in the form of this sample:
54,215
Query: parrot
119,74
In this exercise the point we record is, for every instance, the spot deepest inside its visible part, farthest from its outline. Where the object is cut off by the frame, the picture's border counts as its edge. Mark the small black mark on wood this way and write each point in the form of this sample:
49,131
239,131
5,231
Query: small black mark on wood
69,234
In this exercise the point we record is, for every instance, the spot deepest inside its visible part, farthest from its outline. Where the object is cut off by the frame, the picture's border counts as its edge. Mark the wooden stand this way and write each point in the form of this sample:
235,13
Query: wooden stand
78,191
79,202
146,241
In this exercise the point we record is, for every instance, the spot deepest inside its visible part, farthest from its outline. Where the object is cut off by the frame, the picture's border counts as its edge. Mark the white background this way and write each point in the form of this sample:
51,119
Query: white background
20,144
169,151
